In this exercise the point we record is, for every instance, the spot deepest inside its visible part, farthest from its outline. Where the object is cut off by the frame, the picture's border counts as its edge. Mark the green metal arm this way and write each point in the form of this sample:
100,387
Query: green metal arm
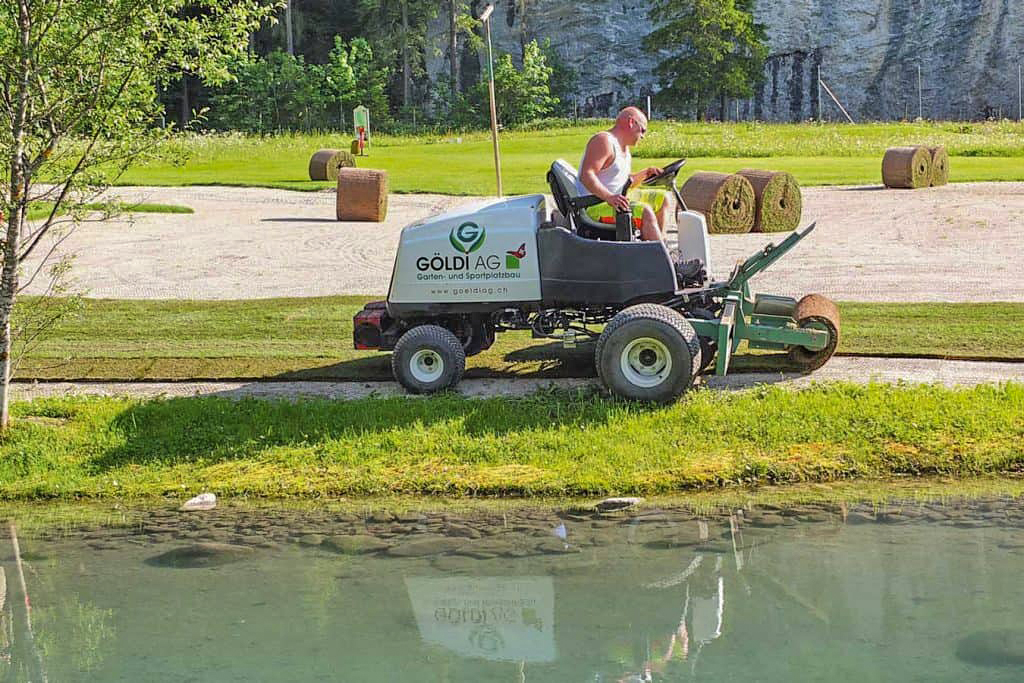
764,258
738,321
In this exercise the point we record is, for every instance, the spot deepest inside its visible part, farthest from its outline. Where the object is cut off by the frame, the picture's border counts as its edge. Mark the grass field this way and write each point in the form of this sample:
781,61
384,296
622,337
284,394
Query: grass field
552,444
41,210
312,339
818,154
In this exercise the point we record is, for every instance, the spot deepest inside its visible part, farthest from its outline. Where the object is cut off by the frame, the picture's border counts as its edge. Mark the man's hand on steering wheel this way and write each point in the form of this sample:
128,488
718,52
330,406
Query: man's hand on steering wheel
646,175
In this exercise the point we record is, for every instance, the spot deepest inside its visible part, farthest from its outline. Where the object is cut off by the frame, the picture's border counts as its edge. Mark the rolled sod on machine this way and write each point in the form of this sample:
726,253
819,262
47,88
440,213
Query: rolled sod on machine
940,166
727,201
778,201
362,194
324,164
907,168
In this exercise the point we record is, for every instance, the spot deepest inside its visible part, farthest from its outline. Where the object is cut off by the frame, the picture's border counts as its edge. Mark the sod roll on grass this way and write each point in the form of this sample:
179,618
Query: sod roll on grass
362,194
778,200
907,168
727,201
940,166
324,164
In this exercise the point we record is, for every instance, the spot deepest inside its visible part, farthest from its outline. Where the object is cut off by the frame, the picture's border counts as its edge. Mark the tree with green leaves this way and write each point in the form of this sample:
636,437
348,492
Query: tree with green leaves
524,94
521,94
78,105
397,30
371,81
713,50
272,93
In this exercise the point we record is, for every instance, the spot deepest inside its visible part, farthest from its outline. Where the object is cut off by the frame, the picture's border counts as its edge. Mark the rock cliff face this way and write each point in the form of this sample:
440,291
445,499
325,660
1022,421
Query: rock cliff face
868,53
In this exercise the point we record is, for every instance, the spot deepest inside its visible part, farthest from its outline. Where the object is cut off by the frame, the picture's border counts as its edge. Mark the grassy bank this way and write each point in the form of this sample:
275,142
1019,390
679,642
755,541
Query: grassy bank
554,444
312,339
817,154
67,516
40,210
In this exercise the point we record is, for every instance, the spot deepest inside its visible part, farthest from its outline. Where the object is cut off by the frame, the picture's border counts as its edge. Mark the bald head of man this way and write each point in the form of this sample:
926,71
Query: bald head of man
630,126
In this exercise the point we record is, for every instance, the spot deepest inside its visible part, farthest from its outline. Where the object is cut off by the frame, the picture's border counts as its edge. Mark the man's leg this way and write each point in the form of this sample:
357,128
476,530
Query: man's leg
649,225
664,211
660,202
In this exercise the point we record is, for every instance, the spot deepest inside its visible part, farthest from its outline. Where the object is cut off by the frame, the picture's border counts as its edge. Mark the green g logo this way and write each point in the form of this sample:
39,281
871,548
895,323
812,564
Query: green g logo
467,238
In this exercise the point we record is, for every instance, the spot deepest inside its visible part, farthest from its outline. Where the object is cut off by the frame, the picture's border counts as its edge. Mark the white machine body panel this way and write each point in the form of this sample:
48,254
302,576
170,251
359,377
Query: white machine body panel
476,253
693,238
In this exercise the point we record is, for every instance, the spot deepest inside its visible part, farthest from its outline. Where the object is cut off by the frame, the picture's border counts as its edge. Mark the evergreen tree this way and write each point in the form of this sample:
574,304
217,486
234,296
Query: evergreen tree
713,49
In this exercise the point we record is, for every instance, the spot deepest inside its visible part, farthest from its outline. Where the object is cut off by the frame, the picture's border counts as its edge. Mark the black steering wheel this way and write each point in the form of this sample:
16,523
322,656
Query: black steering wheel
667,174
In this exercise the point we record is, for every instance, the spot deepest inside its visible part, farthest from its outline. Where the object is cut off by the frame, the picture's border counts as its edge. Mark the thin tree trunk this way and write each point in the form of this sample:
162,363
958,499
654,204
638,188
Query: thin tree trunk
406,67
186,107
288,27
9,275
453,44
724,114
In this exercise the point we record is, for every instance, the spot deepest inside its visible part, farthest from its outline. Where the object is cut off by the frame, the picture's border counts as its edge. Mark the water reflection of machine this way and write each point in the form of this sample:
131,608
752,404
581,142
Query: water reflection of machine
500,618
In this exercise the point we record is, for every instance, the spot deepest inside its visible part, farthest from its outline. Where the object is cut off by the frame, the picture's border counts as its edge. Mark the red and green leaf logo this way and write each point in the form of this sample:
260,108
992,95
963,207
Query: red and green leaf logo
512,258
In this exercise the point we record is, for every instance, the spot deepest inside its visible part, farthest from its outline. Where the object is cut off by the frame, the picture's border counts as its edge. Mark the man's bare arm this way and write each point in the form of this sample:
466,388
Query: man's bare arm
598,154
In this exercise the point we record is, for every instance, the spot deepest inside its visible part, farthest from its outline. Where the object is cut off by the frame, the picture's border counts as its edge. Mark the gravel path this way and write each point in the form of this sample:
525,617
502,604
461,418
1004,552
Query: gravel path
962,242
948,373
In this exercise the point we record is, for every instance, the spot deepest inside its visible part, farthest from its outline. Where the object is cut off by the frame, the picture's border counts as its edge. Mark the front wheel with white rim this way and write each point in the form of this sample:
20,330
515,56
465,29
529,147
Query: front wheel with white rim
427,359
648,353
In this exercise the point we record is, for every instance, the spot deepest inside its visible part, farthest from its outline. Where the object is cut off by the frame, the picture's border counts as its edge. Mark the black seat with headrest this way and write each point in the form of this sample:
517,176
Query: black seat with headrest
562,180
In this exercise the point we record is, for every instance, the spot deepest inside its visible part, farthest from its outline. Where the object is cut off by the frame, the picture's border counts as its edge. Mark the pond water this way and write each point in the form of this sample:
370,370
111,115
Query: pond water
919,591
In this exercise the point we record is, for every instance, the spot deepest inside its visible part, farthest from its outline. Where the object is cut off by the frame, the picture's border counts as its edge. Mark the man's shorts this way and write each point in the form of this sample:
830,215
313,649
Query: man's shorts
639,198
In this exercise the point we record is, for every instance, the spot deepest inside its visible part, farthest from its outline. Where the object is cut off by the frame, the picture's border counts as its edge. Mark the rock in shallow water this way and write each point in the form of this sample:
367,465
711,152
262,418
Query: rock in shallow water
427,546
997,647
201,555
611,504
355,545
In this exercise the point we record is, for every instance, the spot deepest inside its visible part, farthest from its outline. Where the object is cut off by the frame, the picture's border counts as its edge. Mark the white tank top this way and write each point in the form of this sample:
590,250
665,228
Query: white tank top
617,173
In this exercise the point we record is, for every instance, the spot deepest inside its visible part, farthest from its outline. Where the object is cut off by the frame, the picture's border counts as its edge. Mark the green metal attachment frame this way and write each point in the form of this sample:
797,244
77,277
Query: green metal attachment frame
763,321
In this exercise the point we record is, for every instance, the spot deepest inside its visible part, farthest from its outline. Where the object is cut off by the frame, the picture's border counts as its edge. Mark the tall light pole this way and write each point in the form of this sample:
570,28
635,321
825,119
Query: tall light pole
485,17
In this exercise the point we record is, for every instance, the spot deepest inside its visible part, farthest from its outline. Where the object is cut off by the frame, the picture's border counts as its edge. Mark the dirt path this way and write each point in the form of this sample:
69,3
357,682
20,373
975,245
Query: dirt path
949,373
961,242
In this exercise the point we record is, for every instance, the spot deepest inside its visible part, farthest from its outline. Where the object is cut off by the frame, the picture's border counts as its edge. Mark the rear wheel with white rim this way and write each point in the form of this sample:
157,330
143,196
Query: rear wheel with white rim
648,353
427,359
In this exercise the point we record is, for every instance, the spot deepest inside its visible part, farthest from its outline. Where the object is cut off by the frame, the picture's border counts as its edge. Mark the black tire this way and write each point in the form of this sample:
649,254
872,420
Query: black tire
708,345
428,359
671,345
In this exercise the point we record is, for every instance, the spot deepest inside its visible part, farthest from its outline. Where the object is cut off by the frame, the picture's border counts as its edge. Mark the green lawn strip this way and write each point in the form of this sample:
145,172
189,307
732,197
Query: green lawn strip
815,154
471,172
557,443
41,210
311,338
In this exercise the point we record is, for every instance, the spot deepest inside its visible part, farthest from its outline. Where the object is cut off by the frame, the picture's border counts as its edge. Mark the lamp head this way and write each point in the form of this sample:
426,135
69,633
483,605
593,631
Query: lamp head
486,14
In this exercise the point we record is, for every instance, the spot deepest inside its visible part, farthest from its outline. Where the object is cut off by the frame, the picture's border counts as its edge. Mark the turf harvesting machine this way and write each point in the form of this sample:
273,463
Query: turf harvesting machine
461,277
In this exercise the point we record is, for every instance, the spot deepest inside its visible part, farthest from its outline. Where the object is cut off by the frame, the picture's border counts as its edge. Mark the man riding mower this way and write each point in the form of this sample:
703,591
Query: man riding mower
461,277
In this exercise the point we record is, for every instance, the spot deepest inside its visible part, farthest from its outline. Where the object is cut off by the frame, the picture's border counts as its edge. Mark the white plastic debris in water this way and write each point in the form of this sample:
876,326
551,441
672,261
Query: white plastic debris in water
204,501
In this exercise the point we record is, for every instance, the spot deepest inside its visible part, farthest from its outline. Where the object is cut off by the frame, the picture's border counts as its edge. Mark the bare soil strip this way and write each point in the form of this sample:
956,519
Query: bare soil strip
957,243
918,371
